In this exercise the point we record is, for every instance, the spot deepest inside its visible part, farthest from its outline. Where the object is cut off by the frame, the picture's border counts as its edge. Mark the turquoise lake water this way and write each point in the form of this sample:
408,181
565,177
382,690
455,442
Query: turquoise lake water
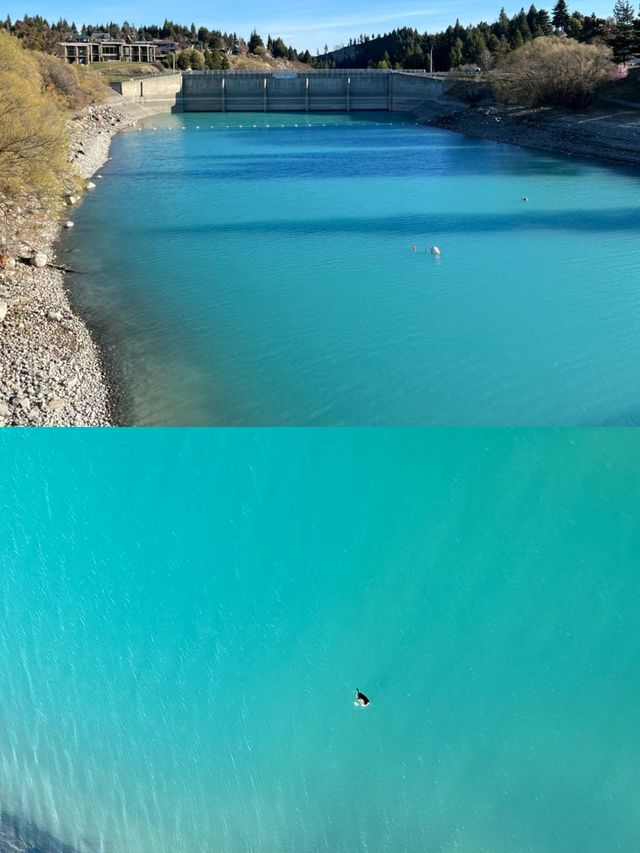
185,615
251,269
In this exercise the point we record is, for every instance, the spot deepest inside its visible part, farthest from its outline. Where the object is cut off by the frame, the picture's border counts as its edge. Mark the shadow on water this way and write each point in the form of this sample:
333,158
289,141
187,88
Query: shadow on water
626,418
403,162
18,835
597,221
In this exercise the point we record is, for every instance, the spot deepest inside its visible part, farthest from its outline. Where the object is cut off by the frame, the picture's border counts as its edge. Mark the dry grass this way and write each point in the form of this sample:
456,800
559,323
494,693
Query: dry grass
116,72
249,62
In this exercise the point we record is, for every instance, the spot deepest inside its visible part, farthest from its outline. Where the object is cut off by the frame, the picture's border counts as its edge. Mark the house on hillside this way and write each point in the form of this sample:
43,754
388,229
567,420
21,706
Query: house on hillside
107,50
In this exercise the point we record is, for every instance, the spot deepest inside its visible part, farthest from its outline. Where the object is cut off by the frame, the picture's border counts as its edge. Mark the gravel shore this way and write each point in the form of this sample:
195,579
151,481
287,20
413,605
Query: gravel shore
606,132
51,371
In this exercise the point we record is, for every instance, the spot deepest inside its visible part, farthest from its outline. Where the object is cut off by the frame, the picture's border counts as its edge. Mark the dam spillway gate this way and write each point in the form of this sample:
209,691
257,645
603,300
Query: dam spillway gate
291,91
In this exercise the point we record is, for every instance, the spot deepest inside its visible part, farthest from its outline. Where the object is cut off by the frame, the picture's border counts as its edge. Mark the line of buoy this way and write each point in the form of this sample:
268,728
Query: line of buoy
433,249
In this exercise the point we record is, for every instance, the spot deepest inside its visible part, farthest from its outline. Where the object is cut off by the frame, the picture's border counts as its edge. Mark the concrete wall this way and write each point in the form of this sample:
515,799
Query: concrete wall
227,91
409,91
162,92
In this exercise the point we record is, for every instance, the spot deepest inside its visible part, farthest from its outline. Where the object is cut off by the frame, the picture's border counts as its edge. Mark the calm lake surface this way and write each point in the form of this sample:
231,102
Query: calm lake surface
185,616
251,269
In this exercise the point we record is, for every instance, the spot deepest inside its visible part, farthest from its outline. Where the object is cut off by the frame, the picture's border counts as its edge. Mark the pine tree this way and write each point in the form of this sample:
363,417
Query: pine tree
624,37
455,54
560,15
503,24
255,42
543,23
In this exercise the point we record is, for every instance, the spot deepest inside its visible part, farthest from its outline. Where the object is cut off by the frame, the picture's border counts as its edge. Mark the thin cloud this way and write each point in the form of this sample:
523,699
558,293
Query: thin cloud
333,23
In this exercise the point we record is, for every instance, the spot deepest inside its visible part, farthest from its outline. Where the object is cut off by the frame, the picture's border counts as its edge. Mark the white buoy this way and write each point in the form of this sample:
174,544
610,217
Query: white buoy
435,250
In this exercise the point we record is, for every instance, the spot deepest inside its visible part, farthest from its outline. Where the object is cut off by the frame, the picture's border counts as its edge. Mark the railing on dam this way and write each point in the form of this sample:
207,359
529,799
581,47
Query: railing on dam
284,91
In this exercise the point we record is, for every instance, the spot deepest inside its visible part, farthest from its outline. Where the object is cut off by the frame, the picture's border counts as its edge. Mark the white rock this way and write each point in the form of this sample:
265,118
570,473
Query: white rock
90,185
5,411
56,404
3,310
68,224
39,259
54,315
72,199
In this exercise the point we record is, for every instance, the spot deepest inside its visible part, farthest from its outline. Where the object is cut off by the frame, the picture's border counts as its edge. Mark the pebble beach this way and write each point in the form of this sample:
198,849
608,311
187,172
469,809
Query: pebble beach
52,372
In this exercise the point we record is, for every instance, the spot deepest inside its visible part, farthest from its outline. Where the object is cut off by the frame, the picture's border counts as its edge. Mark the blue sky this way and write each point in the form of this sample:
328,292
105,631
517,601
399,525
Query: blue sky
309,25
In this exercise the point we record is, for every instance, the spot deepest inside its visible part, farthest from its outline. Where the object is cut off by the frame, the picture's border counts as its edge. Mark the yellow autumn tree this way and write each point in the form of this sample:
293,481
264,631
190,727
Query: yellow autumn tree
34,142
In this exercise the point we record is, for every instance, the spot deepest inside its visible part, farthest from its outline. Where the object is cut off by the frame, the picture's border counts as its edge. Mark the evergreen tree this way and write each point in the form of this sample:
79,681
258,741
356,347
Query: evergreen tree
543,23
255,42
522,24
623,13
560,15
455,54
573,28
278,48
624,36
503,24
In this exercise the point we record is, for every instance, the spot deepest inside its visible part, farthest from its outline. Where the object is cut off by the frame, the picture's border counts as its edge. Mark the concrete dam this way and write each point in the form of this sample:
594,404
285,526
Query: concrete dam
283,91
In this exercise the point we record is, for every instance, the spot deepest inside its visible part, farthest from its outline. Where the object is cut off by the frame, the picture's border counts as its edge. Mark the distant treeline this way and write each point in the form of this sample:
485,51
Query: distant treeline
202,44
483,45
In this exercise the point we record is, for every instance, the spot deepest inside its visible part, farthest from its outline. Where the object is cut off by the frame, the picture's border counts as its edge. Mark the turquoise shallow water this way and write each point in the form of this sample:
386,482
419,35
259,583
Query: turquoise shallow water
186,613
257,269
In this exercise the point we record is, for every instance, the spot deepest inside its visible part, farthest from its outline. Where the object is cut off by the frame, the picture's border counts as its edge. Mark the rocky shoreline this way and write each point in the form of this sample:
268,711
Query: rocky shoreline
52,373
608,133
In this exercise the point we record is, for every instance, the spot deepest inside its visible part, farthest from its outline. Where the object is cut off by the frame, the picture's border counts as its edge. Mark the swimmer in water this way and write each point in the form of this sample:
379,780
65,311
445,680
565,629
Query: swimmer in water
361,700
